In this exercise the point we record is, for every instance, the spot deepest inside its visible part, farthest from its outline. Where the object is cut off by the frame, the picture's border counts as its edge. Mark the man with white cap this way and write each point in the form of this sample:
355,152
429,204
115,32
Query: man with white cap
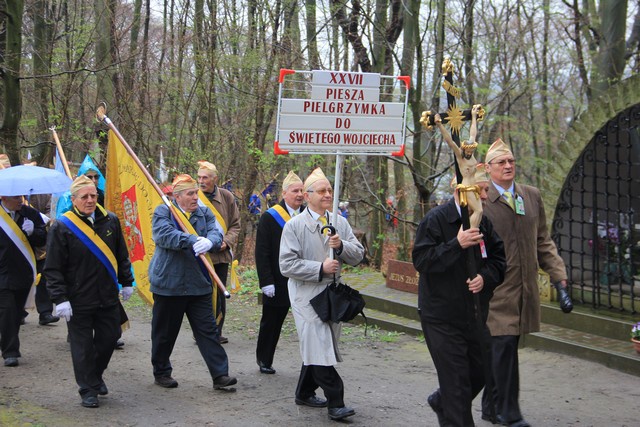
222,204
181,285
275,301
455,338
517,212
305,260
87,257
21,231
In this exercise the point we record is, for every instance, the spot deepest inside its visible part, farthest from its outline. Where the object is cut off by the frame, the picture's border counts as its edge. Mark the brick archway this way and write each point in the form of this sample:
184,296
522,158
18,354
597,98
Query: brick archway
596,221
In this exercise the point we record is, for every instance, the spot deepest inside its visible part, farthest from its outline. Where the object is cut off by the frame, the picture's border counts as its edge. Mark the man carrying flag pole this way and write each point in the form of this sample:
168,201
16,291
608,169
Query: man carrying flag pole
133,195
181,285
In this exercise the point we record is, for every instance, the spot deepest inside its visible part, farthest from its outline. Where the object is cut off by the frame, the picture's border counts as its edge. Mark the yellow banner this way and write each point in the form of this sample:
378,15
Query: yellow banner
132,197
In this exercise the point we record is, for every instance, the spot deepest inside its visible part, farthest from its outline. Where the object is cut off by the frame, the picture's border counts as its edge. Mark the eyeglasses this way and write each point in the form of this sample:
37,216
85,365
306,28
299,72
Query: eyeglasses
322,191
92,176
501,163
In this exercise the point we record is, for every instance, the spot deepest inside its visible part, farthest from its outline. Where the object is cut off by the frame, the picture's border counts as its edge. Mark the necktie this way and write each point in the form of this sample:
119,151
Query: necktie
509,198
323,221
90,219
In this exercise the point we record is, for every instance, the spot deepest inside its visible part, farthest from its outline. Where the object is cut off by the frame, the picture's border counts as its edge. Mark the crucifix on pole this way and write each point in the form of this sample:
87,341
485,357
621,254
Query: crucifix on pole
468,192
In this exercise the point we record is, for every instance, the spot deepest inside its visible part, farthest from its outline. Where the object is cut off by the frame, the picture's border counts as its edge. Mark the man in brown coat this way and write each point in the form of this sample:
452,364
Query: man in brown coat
222,204
518,216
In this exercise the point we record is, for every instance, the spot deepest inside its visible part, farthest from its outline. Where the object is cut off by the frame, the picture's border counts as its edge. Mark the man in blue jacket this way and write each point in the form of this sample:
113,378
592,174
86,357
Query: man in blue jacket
181,285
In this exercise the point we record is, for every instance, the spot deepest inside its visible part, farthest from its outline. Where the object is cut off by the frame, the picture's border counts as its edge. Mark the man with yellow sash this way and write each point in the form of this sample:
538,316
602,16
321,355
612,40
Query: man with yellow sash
181,284
21,230
87,257
275,301
222,204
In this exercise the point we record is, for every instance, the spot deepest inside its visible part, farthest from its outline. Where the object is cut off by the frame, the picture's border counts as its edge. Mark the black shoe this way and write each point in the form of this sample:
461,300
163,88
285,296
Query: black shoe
519,423
340,413
223,381
103,390
223,340
166,382
119,344
11,361
434,401
313,401
498,420
90,402
264,369
48,318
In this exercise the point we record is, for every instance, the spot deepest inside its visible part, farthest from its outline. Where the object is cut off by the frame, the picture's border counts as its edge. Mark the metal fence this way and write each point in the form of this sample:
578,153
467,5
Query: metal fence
597,220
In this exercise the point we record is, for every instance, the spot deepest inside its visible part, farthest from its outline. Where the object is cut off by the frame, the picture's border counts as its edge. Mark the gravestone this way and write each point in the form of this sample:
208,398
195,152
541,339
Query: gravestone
402,276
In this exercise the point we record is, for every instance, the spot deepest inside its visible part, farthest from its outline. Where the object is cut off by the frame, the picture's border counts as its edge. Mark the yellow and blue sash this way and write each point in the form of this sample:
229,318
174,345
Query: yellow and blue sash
220,223
18,238
92,241
280,214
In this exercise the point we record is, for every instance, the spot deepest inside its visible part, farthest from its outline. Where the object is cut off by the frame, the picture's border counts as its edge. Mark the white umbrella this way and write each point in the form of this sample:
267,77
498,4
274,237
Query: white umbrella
28,180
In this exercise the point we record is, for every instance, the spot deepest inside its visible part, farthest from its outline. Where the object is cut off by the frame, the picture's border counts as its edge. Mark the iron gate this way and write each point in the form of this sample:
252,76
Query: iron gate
596,227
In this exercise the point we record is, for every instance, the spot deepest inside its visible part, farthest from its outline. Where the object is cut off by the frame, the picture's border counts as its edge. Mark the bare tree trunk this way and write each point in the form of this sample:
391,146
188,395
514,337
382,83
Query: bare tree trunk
312,42
467,47
609,62
10,70
41,16
411,41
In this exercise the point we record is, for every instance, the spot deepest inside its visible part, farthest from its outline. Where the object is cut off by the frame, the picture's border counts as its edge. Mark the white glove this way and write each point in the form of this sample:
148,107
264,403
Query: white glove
202,245
127,291
64,310
27,226
269,291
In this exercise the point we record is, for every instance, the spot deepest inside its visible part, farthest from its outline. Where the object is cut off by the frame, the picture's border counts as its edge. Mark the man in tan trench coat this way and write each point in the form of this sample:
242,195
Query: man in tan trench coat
517,213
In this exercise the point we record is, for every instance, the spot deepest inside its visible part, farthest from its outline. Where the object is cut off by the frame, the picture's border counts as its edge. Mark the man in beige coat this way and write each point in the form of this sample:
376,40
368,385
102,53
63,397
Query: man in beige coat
222,204
518,216
305,260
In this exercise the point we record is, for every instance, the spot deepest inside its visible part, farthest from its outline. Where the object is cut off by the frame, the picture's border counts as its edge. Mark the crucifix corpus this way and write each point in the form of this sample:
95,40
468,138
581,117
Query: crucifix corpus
466,164
469,193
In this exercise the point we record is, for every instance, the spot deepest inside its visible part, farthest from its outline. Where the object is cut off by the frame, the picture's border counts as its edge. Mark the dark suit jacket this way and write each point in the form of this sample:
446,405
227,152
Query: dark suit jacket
443,294
267,259
15,271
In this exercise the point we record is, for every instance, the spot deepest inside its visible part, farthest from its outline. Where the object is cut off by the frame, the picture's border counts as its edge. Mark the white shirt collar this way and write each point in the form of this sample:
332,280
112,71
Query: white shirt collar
314,215
501,190
291,210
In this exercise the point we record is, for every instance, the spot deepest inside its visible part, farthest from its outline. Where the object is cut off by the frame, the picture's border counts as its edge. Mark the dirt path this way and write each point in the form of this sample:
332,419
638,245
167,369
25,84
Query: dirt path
387,377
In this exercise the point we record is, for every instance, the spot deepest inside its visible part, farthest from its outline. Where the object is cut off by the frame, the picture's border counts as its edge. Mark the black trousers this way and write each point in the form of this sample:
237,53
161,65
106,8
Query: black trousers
43,302
11,313
168,313
222,270
457,356
325,377
506,377
270,327
93,333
